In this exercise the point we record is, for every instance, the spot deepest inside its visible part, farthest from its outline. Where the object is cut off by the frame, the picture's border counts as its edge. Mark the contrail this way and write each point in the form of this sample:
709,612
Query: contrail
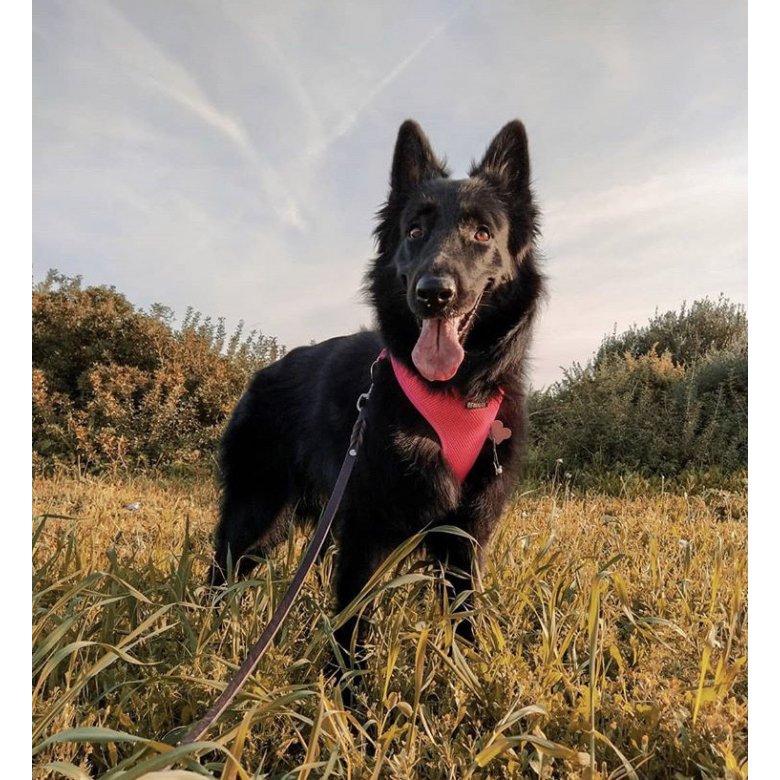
168,76
347,123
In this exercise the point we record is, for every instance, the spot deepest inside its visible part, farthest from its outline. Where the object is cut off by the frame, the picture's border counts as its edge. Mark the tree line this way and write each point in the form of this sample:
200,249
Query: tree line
659,400
115,386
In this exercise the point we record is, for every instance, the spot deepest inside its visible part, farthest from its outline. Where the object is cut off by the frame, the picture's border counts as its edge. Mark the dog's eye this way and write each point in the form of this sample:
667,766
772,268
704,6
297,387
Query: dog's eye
482,234
415,233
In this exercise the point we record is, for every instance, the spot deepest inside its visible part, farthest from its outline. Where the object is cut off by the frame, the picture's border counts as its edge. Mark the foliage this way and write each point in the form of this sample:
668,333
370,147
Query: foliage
611,643
116,386
667,399
688,335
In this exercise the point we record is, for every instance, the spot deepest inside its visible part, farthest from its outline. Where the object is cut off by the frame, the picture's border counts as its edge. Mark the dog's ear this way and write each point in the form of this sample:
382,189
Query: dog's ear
507,157
507,167
413,160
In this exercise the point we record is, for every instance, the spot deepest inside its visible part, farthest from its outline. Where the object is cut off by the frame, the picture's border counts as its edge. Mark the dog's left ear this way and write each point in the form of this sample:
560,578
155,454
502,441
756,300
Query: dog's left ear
414,160
507,157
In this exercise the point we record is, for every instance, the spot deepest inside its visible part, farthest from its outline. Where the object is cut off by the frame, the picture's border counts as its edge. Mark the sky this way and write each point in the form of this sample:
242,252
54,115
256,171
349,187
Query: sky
231,156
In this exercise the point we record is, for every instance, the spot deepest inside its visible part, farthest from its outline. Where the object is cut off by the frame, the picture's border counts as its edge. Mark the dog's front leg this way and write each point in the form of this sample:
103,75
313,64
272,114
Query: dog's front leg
461,559
359,557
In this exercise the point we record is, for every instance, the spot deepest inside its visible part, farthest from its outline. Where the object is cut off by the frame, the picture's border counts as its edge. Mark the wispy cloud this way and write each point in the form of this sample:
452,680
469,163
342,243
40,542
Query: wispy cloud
187,95
670,191
349,120
156,70
284,65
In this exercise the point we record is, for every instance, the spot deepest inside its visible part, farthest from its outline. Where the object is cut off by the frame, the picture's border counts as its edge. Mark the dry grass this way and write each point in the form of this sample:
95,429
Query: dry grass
612,642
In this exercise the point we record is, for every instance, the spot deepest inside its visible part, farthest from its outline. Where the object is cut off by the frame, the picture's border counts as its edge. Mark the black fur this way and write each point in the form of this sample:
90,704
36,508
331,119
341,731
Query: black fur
288,435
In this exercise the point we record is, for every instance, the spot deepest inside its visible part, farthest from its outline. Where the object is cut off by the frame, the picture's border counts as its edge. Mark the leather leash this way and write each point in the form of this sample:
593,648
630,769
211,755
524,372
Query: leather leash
323,526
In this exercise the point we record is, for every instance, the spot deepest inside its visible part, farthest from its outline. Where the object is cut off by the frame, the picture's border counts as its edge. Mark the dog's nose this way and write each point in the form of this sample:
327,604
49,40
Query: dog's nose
435,292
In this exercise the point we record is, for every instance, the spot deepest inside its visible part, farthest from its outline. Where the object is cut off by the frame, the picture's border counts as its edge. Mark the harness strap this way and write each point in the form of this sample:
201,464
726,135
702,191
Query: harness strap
462,426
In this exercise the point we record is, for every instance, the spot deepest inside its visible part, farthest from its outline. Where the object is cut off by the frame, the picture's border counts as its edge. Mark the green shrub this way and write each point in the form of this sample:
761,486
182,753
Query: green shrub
688,335
116,386
663,400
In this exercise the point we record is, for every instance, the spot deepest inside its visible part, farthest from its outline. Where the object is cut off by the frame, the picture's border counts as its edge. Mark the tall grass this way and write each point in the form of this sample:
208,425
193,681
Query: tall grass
611,643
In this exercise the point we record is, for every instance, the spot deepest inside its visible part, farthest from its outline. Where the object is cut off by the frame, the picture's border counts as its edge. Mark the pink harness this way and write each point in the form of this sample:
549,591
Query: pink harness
462,430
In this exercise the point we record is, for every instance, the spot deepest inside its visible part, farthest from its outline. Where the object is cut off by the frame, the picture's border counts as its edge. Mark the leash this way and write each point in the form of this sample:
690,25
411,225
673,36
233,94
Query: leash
323,526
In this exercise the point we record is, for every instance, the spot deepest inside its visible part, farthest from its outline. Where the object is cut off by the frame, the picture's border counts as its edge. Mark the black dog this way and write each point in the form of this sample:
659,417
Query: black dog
456,289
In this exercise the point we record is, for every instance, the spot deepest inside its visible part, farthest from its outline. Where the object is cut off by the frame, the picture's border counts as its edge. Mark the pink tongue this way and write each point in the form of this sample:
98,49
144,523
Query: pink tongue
438,353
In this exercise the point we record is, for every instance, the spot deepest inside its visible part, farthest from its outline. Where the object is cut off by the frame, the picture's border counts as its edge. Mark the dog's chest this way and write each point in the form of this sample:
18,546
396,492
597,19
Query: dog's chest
417,451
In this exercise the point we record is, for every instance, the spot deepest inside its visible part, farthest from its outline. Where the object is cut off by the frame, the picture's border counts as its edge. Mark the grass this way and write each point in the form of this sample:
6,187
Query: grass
611,643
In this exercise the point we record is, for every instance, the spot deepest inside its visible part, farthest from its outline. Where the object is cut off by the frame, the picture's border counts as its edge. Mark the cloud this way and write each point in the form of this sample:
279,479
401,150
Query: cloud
188,96
282,64
348,121
669,190
154,70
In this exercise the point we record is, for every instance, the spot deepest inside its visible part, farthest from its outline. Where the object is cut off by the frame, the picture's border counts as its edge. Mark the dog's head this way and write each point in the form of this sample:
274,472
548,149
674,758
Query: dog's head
452,252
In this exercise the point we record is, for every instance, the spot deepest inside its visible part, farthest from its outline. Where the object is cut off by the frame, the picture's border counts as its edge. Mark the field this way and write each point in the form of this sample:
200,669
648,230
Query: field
611,642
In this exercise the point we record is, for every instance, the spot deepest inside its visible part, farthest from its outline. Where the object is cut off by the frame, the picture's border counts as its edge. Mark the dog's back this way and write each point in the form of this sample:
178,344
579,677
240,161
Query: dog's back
285,441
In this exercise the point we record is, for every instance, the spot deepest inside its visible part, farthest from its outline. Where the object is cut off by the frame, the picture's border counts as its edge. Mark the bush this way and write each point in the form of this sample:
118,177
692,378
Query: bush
116,386
688,335
665,399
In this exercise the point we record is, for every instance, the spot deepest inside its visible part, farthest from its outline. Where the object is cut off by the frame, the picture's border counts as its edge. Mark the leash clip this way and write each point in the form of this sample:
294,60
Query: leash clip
363,397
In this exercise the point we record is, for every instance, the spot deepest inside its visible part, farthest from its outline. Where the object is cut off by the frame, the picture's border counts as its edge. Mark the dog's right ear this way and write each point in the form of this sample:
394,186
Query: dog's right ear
413,159
506,159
